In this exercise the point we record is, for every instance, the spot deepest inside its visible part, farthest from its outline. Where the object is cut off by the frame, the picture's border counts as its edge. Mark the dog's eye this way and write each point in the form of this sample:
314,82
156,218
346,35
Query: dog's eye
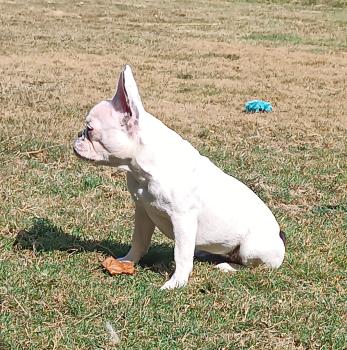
89,128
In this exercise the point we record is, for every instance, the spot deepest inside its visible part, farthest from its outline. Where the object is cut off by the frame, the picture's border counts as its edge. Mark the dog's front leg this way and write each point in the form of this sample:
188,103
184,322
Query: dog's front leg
185,228
142,235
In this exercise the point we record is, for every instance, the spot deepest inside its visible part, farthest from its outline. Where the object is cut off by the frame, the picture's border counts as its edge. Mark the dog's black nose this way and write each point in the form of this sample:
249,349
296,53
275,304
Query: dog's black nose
80,134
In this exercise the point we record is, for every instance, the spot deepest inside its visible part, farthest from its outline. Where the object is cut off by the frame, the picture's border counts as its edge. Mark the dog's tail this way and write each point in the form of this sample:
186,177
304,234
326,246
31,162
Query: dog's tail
283,237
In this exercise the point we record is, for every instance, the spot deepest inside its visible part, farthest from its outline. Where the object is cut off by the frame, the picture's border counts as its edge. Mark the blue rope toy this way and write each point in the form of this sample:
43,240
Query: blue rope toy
256,106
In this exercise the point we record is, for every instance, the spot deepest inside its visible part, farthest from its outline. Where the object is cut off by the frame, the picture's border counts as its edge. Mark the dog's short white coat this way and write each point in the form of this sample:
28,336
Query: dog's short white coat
176,189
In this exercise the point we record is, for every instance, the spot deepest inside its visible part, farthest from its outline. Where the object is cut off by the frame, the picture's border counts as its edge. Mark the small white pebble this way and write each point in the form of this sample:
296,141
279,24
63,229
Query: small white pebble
113,336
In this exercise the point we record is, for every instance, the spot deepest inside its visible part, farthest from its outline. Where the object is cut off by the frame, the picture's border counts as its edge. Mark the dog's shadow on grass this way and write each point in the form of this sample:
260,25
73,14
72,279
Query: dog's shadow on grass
43,236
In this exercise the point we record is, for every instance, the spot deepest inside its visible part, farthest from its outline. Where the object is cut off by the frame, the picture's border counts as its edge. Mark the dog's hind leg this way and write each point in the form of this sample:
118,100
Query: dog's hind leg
262,250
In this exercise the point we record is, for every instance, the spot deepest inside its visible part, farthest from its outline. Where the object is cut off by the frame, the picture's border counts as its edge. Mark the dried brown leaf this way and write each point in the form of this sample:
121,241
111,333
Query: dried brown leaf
116,267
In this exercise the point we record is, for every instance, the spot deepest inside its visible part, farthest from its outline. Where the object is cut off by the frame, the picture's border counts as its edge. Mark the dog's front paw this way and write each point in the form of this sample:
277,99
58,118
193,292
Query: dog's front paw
174,283
128,258
125,259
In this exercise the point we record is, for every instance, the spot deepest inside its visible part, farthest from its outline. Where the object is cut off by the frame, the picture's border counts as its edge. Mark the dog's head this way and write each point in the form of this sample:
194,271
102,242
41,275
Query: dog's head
111,129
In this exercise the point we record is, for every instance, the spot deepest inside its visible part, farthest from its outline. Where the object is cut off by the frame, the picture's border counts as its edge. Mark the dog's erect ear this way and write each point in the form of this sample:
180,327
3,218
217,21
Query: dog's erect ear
127,98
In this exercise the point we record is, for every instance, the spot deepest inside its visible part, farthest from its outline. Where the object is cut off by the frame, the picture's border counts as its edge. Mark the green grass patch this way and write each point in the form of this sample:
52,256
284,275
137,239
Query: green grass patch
275,37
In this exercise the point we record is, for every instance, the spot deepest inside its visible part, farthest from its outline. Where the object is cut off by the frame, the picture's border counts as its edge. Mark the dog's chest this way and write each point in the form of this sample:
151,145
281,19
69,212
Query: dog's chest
154,203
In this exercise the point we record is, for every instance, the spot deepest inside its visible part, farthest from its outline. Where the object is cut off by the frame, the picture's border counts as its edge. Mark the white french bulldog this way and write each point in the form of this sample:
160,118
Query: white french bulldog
176,189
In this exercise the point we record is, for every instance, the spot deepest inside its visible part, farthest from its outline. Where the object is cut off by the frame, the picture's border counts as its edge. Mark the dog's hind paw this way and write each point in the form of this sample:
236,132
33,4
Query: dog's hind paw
228,267
174,283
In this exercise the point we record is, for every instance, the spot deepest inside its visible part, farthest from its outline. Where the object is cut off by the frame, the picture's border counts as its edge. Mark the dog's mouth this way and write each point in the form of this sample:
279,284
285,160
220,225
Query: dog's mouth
80,156
84,149
78,149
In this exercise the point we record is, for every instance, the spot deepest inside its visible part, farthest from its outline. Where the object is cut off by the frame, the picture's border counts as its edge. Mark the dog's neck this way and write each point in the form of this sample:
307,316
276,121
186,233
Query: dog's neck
156,147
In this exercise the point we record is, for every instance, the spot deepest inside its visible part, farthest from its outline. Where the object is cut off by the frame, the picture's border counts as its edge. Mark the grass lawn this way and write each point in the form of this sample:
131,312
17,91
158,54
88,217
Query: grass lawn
196,64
